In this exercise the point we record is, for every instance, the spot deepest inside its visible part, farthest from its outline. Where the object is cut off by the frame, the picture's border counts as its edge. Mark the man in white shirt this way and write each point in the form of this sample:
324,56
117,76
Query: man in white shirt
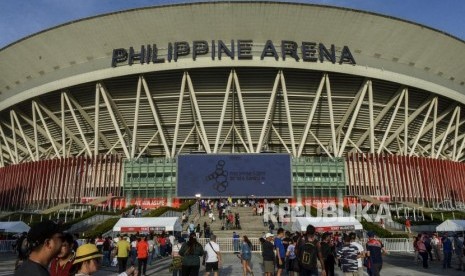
213,260
353,241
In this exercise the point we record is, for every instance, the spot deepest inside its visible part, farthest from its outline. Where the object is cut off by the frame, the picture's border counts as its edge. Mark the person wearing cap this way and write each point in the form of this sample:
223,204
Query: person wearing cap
44,240
268,254
61,265
375,249
87,262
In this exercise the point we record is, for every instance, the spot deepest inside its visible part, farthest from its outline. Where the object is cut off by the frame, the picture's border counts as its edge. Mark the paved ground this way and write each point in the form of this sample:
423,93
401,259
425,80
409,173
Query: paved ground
395,264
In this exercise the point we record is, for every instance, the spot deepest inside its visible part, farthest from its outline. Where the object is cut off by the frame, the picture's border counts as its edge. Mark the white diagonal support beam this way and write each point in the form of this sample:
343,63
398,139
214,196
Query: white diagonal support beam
78,124
432,125
348,112
267,121
310,115
321,144
202,132
364,89
288,114
178,114
422,128
371,118
242,140
26,140
18,146
12,157
58,122
412,117
243,112
116,111
444,135
148,144
115,122
331,115
97,119
186,139
155,116
223,111
94,125
53,141
381,115
136,118
281,139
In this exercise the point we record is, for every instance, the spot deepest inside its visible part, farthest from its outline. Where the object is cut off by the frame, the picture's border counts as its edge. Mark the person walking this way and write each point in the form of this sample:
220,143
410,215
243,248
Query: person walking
236,242
435,245
176,262
328,252
246,256
122,253
375,249
142,254
422,250
213,260
268,255
291,257
348,256
447,251
280,251
308,252
354,242
408,225
191,253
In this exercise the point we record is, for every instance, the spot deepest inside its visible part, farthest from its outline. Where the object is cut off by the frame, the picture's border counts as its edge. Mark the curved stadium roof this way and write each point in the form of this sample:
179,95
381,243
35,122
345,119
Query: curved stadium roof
60,70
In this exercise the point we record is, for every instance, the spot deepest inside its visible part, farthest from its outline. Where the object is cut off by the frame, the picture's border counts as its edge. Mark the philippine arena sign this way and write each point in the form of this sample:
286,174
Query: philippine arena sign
241,49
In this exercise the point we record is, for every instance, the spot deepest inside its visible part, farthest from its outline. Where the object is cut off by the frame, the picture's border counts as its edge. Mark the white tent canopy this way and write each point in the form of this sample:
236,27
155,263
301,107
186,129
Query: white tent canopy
148,224
323,224
451,226
13,227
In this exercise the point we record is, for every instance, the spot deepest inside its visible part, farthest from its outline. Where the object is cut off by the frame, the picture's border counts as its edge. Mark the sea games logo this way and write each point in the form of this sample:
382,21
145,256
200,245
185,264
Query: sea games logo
240,49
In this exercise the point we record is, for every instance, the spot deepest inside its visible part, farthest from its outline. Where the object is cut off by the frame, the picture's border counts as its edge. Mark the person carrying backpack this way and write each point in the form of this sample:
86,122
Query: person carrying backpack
308,251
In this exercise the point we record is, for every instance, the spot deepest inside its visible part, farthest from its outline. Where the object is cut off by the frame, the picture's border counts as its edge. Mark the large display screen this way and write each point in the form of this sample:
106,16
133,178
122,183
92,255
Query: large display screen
235,175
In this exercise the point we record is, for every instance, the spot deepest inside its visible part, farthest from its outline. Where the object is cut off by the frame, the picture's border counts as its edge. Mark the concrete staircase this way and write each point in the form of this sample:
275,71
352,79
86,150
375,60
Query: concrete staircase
251,225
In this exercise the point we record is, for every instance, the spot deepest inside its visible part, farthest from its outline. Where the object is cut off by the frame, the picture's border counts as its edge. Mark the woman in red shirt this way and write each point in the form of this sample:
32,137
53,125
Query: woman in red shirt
61,265
142,254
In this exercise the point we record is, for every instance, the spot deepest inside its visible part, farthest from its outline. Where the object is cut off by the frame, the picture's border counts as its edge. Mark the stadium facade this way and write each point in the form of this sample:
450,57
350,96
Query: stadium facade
366,105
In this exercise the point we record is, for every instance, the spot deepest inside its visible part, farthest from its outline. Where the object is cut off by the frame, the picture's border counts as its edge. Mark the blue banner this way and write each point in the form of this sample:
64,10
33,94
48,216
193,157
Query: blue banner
235,175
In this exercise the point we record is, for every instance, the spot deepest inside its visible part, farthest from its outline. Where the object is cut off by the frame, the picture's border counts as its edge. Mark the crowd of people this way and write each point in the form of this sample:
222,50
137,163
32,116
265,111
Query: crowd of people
47,250
440,249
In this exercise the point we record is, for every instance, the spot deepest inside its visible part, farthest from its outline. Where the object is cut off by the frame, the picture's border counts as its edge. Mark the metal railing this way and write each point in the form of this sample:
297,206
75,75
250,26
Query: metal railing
228,245
7,246
390,244
394,244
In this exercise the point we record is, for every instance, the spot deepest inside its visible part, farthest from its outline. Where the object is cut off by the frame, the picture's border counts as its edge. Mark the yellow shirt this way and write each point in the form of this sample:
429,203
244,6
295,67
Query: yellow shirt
123,248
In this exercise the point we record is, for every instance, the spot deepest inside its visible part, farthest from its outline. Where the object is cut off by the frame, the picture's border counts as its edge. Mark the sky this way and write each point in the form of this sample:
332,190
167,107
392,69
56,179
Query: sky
21,18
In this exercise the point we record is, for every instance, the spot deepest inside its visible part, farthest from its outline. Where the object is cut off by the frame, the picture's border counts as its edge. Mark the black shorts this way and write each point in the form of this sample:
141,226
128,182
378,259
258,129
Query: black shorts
211,267
280,266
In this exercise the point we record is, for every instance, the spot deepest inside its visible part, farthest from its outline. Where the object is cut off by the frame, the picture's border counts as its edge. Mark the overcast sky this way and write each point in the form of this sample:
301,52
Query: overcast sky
20,18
